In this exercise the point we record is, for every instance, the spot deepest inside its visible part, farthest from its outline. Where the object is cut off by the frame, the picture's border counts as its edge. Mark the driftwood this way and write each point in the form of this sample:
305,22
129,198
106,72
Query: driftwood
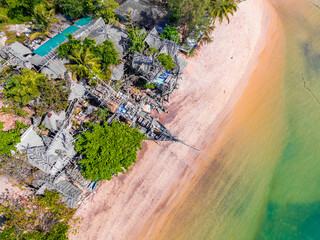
317,6
305,85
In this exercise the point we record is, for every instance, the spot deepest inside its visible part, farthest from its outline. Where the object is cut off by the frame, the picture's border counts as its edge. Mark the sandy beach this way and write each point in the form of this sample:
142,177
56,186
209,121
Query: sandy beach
128,207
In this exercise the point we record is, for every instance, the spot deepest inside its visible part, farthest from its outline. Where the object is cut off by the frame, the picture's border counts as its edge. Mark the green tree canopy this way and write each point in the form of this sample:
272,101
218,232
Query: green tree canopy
48,94
171,33
136,37
102,114
42,21
108,54
189,13
89,59
166,61
21,10
65,50
108,150
72,8
53,96
106,10
222,8
39,217
8,139
23,88
83,64
82,8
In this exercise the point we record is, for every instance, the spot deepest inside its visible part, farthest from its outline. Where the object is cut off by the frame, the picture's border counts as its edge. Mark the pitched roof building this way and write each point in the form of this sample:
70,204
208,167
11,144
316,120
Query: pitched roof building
69,192
101,32
142,13
163,46
53,158
53,121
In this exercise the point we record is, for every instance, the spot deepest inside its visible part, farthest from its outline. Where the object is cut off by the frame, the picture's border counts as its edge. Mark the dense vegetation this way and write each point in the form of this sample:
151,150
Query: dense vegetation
43,18
32,86
189,13
37,218
198,14
18,11
171,33
53,96
108,149
82,8
89,59
166,61
136,38
102,114
21,89
8,139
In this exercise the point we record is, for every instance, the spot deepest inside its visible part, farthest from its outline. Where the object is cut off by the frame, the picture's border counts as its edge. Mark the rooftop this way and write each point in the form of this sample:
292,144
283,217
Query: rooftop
163,46
101,32
53,121
142,13
29,139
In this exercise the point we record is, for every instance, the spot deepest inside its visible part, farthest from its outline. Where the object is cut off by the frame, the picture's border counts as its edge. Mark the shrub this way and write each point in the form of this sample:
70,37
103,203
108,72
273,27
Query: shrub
166,61
108,149
171,33
136,37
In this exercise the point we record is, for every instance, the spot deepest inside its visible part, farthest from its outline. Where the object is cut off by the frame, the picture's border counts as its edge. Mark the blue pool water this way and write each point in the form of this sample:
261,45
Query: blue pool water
162,78
83,21
54,42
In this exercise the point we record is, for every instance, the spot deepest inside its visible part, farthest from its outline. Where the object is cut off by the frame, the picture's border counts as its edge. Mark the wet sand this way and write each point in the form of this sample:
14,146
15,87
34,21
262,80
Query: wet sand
135,205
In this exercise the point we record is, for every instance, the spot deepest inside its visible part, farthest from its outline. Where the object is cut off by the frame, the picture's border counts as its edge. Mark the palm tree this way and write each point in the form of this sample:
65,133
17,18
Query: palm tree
42,22
222,8
206,35
136,37
84,62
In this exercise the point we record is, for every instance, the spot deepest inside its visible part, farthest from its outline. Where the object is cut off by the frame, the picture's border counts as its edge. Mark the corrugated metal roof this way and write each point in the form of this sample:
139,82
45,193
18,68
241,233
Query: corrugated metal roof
19,48
48,72
53,120
57,67
141,63
77,91
117,72
29,139
182,63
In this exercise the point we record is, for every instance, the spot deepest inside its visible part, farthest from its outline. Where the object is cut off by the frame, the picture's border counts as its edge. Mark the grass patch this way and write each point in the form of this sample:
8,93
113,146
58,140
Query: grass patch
13,37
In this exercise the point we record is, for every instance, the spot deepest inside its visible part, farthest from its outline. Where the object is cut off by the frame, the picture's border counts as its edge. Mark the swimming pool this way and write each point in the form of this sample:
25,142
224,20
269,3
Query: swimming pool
162,78
83,21
54,42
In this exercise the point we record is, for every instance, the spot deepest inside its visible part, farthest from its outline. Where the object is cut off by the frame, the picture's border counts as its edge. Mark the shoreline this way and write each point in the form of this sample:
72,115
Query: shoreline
128,206
164,225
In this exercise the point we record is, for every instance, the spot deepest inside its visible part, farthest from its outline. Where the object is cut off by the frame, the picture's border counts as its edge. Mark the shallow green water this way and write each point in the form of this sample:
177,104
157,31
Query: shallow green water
293,209
263,181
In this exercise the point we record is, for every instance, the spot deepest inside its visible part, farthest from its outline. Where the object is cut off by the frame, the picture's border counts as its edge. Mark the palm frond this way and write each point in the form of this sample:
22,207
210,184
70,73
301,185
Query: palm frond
36,35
